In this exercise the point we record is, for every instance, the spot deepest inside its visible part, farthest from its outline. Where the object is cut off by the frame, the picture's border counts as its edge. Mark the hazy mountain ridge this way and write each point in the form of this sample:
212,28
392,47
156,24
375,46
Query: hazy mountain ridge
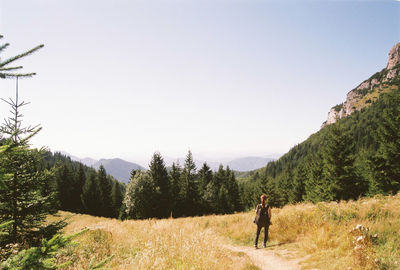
120,169
242,164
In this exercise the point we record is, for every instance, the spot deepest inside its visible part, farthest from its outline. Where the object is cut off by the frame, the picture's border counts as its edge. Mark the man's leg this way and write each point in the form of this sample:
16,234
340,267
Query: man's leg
266,234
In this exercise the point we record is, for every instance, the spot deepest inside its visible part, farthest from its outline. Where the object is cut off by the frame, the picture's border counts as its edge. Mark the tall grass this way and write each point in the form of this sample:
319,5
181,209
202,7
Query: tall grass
149,244
323,234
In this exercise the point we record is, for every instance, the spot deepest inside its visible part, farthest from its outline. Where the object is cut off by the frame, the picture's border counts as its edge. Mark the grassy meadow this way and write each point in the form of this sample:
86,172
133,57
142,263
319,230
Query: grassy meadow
324,234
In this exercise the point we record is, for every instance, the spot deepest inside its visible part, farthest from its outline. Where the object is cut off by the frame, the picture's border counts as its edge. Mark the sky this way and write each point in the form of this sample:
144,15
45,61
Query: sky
224,79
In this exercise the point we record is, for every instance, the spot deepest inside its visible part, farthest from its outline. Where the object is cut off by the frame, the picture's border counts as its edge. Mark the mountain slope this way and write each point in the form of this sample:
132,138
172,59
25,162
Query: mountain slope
369,90
118,168
370,137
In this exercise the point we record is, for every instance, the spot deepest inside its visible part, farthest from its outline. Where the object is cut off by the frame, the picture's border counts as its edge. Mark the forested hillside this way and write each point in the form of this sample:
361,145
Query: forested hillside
359,155
82,189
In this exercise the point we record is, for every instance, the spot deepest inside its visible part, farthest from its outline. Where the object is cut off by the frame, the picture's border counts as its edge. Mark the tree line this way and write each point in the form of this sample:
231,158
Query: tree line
82,189
183,191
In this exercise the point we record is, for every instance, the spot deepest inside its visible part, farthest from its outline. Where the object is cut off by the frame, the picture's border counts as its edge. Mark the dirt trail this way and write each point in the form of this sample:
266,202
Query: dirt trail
266,259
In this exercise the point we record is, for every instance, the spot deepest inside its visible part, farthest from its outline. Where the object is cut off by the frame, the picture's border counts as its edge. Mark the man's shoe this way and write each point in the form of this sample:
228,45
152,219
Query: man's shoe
264,245
255,247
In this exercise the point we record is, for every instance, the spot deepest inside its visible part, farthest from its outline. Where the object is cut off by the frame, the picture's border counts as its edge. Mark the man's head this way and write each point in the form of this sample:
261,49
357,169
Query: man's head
263,198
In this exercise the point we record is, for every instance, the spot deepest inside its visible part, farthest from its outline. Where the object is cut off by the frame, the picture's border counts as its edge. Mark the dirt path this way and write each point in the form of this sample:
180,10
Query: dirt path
267,259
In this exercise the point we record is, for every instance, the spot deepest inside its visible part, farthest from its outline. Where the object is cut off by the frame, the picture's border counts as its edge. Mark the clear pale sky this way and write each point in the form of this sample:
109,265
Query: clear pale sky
222,78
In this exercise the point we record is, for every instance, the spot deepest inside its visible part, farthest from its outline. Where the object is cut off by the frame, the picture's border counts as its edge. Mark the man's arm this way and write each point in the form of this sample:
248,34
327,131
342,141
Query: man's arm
269,213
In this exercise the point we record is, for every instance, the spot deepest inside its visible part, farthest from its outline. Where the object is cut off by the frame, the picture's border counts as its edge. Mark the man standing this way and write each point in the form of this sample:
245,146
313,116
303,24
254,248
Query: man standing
262,219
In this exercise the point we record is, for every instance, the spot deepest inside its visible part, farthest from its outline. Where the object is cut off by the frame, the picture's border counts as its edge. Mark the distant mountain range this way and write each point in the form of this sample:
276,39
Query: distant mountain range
120,169
248,163
239,164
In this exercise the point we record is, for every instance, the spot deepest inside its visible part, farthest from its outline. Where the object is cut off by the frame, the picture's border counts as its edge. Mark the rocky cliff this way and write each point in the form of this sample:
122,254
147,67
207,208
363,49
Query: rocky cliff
369,90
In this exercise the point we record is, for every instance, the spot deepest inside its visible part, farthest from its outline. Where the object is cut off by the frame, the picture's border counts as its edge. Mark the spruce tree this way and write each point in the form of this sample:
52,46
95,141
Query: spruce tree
177,200
339,176
299,179
116,198
315,185
91,198
159,173
23,202
386,162
80,179
64,178
223,200
189,177
269,186
9,72
285,185
233,188
214,196
105,192
205,177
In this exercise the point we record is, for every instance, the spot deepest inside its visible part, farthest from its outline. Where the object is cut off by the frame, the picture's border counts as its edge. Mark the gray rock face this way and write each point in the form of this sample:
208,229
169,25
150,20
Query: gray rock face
348,107
391,74
394,56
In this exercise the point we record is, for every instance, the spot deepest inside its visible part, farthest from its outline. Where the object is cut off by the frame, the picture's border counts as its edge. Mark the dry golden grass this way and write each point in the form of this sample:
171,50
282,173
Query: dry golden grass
149,244
320,233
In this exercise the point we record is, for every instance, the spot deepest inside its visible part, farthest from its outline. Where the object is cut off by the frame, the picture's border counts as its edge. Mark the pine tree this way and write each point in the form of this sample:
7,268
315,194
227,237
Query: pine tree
212,194
205,177
177,200
90,197
192,195
22,202
285,185
269,187
116,198
386,162
299,179
339,175
233,188
65,187
8,72
315,185
223,200
80,179
159,173
105,192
